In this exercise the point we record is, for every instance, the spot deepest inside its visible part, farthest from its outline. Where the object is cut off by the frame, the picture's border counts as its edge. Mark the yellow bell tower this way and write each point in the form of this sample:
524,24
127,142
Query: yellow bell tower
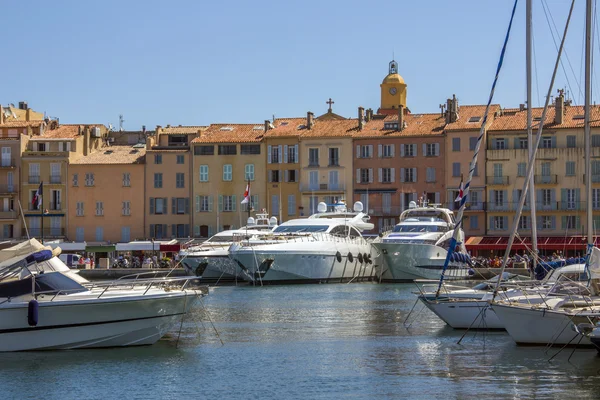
393,89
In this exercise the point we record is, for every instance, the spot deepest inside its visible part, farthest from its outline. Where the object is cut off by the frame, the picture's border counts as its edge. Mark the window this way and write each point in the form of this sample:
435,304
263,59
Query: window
99,234
523,143
179,180
595,140
499,144
334,156
366,151
274,175
203,204
204,173
227,172
34,173
125,234
227,149
570,222
388,150
474,222
158,159
456,144
75,179
410,150
524,222
546,142
126,179
410,174
79,209
571,141
334,181
249,172
430,174
498,223
228,203
386,175
498,198
158,205
291,204
275,205
275,154
99,208
546,222
456,169
180,205
596,201
292,175
431,150
293,154
89,179
472,143
250,149
521,169
364,175
180,159
386,202
126,208
570,168
571,198
313,157
42,147
546,197
158,180
204,150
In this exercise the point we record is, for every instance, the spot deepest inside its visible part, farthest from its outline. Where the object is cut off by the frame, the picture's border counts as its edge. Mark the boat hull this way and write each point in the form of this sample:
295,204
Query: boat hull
405,262
464,313
215,266
85,323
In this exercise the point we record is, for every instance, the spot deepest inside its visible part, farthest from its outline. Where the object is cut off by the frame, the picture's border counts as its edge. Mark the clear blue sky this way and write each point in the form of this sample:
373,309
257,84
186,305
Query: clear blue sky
201,62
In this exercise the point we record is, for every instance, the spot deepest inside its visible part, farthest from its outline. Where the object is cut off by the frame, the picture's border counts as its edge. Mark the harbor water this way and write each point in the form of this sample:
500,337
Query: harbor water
310,342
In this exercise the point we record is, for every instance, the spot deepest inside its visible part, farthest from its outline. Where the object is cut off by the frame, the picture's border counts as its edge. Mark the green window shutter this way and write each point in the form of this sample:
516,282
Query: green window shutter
152,206
220,203
234,203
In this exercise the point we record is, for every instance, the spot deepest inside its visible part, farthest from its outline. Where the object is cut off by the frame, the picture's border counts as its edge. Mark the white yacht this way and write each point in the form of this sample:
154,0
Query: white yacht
417,246
211,261
44,309
326,247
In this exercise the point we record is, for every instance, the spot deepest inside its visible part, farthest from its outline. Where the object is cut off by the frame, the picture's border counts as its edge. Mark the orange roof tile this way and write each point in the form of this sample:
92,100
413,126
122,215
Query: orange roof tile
114,155
416,125
182,130
62,132
20,124
515,120
467,117
231,133
287,127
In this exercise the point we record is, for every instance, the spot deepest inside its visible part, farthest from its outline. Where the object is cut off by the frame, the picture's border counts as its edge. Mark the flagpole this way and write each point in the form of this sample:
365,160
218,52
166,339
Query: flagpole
42,209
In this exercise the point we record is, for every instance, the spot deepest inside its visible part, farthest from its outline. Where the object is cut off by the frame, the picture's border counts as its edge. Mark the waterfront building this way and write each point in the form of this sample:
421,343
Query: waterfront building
227,157
45,160
168,182
106,195
282,141
559,178
463,124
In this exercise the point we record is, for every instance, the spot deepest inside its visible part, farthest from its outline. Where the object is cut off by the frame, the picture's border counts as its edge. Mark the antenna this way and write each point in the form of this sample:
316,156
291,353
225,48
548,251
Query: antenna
121,120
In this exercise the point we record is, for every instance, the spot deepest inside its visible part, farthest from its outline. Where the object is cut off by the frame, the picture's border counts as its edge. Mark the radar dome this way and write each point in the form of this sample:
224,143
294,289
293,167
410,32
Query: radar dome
322,207
250,221
412,204
273,221
358,206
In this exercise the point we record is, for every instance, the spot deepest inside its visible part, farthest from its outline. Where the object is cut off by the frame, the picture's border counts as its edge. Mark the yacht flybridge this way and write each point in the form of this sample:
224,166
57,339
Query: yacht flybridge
417,246
326,247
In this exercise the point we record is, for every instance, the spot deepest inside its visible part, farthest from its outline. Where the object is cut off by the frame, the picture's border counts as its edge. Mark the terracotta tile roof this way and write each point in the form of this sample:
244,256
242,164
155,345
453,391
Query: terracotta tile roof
287,127
416,125
468,121
331,128
182,130
232,133
20,124
114,155
512,119
62,132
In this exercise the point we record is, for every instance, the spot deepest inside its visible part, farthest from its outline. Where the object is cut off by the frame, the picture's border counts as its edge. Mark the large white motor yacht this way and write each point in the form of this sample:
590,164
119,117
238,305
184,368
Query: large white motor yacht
417,246
211,261
326,247
43,306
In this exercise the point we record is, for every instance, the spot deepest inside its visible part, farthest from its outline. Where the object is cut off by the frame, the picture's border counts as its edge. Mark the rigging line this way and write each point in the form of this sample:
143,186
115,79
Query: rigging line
546,13
537,83
463,201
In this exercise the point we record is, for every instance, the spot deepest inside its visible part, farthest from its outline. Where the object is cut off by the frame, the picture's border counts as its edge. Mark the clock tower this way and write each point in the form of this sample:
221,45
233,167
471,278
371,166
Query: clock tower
393,89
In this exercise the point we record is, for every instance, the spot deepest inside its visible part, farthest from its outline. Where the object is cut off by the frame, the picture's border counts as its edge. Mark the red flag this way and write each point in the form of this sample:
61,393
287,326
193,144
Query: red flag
460,191
246,194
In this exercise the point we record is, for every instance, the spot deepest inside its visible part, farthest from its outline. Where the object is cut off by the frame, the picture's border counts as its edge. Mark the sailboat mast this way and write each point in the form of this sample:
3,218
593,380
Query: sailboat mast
587,132
530,141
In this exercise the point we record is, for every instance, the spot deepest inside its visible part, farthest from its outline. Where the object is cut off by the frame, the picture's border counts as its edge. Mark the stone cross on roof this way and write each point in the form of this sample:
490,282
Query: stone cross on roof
330,102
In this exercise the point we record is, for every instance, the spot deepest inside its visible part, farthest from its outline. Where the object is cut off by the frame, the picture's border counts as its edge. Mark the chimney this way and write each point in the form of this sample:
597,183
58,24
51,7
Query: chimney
454,113
1,115
559,108
369,114
86,140
361,118
521,107
22,105
267,123
448,110
309,120
400,118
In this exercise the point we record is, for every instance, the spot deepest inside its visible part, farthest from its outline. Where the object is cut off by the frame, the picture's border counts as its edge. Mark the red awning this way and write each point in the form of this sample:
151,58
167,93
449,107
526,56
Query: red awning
523,243
170,247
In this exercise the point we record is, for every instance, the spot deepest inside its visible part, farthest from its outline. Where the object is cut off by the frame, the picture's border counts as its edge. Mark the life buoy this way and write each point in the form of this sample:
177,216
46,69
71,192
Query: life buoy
366,257
350,257
338,257
360,258
32,313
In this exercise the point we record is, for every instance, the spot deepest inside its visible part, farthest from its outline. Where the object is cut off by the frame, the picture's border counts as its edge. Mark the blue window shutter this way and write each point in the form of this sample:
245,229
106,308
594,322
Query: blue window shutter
563,200
233,201
187,206
165,206
553,221
491,224
220,203
515,197
151,205
164,231
506,143
151,230
553,142
538,222
538,198
505,199
173,205
563,222
505,222
210,203
553,198
577,200
577,222
517,143
186,230
173,230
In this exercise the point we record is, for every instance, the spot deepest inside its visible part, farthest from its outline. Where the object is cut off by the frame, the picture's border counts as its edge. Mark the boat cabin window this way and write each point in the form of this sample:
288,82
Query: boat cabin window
301,228
420,228
340,230
354,233
216,239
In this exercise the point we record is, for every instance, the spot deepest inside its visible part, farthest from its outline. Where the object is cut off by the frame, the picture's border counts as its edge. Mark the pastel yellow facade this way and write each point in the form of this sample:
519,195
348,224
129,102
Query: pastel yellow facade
283,177
393,89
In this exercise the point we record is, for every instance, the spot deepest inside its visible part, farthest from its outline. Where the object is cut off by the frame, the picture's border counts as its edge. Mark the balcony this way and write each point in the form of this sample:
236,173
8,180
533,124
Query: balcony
572,206
8,189
595,178
454,206
545,179
496,180
323,187
334,162
55,206
33,179
55,179
7,162
313,163
48,232
8,214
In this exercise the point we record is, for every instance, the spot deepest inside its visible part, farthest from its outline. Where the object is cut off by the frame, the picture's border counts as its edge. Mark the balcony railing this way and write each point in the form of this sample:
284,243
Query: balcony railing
55,206
595,178
540,206
7,162
572,205
8,214
34,179
454,206
313,163
4,188
323,187
48,232
545,179
497,180
334,162
55,179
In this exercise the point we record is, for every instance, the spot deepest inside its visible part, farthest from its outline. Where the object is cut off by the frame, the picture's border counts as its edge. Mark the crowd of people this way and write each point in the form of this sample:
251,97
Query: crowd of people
516,261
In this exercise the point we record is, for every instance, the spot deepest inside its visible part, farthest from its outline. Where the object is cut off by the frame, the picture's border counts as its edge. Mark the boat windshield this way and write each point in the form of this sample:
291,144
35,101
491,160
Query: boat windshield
220,239
301,228
420,228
